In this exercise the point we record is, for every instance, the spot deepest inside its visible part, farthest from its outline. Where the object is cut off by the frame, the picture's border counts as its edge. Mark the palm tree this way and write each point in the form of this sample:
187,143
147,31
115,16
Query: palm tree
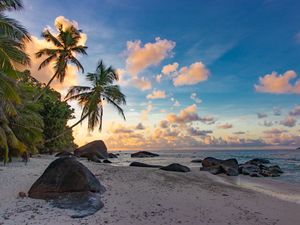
91,99
66,46
12,37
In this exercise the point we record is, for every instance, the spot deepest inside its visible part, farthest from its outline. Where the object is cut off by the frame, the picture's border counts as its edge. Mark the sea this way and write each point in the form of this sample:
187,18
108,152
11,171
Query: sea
288,160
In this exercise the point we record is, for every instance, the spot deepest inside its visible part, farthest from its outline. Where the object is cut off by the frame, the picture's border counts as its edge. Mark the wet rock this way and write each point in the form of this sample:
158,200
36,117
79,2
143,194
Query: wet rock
217,166
196,161
112,156
144,154
139,164
176,168
106,161
258,161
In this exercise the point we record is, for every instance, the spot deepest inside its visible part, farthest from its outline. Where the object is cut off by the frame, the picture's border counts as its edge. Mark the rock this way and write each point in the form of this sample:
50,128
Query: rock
217,166
196,161
176,168
112,155
143,154
94,150
271,171
257,161
106,161
247,169
69,184
65,175
63,154
254,175
22,194
139,164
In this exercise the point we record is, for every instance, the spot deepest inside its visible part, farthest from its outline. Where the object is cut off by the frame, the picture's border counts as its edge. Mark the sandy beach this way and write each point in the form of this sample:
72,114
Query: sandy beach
147,196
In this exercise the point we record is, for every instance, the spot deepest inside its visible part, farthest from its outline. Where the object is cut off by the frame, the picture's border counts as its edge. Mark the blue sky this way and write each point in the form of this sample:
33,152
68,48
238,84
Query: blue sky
237,42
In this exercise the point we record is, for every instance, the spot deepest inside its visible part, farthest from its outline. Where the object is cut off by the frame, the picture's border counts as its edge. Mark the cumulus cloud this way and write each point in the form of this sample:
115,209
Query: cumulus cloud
288,122
140,57
145,112
158,78
191,75
195,98
141,83
239,132
196,132
261,115
281,137
45,74
157,94
225,126
189,114
278,84
295,111
169,68
267,123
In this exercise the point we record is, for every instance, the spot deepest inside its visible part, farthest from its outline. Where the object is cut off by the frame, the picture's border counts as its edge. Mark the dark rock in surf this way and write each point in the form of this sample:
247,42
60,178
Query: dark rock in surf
143,154
175,167
217,166
93,151
139,164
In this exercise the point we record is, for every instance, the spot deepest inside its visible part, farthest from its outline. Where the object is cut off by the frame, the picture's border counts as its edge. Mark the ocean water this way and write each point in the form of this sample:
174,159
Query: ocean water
288,160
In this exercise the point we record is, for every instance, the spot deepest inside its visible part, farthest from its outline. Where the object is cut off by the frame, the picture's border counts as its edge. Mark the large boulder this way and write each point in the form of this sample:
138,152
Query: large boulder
93,151
175,167
196,161
65,175
144,154
139,164
217,166
67,182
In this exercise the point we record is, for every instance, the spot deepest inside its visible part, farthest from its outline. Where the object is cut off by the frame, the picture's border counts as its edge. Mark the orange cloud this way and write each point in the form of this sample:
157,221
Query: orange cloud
156,95
191,75
225,126
278,84
45,74
144,113
141,57
169,68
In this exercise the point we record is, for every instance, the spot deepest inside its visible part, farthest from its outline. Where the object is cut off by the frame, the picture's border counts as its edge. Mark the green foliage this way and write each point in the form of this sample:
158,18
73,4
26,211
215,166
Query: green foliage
102,89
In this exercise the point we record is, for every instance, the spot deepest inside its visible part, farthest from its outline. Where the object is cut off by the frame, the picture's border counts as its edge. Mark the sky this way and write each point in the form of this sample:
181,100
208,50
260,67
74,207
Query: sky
197,74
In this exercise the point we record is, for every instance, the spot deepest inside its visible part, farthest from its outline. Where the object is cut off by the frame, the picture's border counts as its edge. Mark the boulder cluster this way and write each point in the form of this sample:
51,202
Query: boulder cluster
255,168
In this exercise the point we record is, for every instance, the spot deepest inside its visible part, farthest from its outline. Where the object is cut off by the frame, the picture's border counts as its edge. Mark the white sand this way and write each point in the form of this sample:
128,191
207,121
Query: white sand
150,196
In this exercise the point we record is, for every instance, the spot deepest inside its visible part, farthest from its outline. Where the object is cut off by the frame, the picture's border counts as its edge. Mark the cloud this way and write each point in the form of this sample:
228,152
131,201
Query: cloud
158,78
225,126
267,123
140,126
191,75
164,124
281,137
189,114
274,131
196,132
45,74
195,98
142,83
140,57
169,68
295,111
278,84
119,129
261,115
157,95
288,122
145,112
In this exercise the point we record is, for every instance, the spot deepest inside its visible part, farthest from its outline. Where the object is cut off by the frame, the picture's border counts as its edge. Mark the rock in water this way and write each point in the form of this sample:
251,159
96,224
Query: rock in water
106,161
94,150
176,168
67,182
139,164
217,166
143,154
257,161
112,155
196,161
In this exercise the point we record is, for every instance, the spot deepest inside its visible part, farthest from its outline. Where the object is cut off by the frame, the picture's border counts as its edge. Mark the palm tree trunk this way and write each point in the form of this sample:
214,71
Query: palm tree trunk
36,98
67,130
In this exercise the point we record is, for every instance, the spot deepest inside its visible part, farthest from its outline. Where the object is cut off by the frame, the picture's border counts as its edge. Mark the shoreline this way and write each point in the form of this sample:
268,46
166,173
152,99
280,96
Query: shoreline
152,196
